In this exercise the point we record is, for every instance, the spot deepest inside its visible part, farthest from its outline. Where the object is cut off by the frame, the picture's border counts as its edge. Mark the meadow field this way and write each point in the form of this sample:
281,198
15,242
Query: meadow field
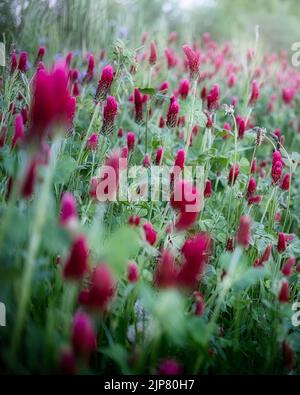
149,187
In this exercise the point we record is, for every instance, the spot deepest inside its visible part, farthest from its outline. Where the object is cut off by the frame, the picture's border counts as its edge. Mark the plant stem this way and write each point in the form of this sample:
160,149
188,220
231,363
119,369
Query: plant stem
34,243
83,144
191,119
267,206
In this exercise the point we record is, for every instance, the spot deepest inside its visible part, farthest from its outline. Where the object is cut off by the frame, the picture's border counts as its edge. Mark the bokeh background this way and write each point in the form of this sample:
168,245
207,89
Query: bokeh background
80,24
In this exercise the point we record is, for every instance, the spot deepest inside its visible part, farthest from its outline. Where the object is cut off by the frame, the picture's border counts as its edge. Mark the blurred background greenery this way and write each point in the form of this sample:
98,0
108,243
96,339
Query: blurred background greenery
92,24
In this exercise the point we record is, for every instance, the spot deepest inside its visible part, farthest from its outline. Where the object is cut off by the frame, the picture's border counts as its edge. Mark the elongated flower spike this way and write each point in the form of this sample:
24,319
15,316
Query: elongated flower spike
132,272
251,187
51,105
161,122
153,54
68,210
172,113
284,292
281,244
267,253
40,55
105,82
13,63
101,290
231,80
165,273
241,127
288,95
288,355
76,90
196,253
138,105
159,156
18,130
69,58
288,266
193,60
184,88
147,161
277,165
213,98
84,340
180,159
186,200
253,166
130,141
254,199
134,220
169,367
170,58
254,93
150,233
77,262
164,86
207,189
233,174
22,65
286,182
243,234
109,115
92,142
90,69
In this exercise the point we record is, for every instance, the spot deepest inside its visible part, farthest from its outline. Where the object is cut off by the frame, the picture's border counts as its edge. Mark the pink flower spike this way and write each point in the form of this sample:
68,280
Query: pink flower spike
254,93
101,291
153,54
68,210
233,174
172,113
22,66
138,105
169,367
284,293
133,272
18,130
288,266
208,189
193,60
130,141
84,339
109,114
286,182
77,262
150,233
92,142
159,156
243,234
105,82
13,63
184,88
